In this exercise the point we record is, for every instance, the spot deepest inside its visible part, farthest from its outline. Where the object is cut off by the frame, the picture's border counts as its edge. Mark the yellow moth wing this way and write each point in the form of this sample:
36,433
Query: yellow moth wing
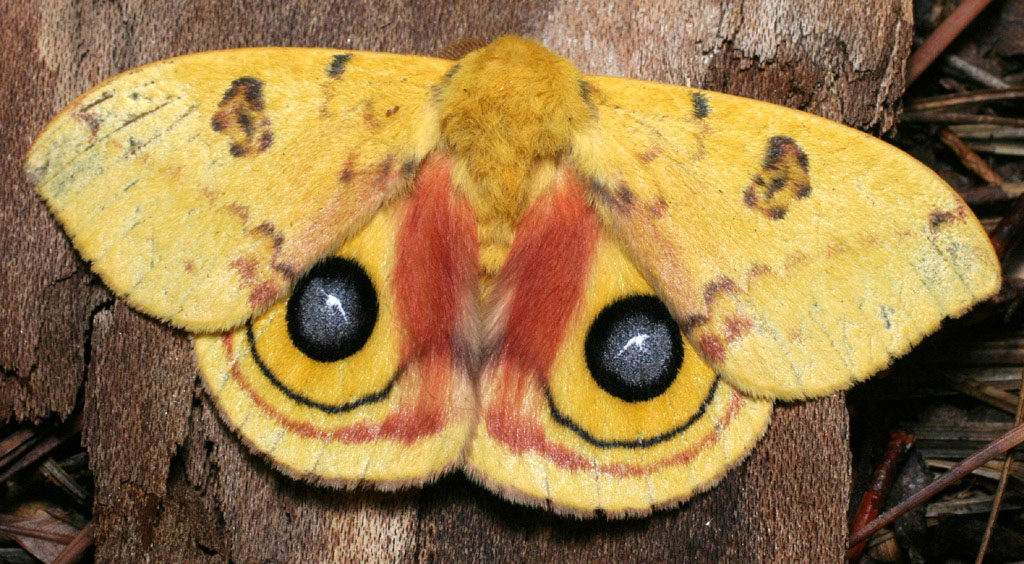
200,187
799,255
357,418
700,426
556,436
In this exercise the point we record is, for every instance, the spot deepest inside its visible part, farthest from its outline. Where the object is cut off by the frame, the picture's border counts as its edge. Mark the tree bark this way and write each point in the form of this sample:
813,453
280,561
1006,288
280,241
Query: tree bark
172,484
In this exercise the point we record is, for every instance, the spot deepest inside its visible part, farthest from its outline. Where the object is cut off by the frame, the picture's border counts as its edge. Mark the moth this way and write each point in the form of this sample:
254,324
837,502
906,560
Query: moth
585,292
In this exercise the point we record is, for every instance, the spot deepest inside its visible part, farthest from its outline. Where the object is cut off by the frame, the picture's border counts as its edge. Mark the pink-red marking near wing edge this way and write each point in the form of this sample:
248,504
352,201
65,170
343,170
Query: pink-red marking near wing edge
520,435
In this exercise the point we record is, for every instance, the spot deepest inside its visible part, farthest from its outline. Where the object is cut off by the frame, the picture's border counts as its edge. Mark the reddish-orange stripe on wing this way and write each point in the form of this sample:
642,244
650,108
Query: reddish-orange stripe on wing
545,273
436,262
435,283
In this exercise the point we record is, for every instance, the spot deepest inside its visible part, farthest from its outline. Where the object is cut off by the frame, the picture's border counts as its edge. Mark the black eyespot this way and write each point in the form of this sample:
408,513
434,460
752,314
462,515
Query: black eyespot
634,349
332,311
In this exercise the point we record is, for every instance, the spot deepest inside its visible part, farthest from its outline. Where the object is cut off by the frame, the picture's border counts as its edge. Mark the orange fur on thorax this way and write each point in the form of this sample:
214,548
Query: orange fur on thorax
508,111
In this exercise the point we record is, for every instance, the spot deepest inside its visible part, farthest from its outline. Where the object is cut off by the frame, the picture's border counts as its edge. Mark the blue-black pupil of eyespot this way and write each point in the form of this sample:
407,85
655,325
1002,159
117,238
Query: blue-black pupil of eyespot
634,349
332,311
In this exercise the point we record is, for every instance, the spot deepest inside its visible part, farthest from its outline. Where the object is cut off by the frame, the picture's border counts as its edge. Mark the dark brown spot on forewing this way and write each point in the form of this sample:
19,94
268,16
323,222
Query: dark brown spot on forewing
386,167
783,179
720,285
348,170
241,117
92,121
600,192
245,122
939,217
392,111
451,72
437,90
337,66
246,88
268,229
618,202
749,197
624,195
701,105
266,140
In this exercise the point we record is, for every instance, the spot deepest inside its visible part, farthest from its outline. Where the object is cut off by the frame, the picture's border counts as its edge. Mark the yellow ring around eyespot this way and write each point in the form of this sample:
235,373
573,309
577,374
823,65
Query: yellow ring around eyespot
366,372
599,417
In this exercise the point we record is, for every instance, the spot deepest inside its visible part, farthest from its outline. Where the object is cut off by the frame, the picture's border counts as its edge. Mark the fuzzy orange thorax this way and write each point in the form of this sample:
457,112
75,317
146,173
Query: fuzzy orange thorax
507,112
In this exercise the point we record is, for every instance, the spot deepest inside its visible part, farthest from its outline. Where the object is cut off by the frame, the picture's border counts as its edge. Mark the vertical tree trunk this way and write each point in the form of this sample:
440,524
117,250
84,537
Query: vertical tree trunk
173,484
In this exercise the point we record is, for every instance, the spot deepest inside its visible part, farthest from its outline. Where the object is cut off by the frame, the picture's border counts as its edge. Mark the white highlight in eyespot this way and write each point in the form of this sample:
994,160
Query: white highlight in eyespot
637,341
333,302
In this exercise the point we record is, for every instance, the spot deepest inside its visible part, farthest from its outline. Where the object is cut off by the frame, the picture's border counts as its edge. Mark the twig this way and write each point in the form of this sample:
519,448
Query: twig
966,98
52,471
1009,440
974,72
1006,233
998,148
988,194
870,504
970,159
74,550
958,117
42,449
987,131
13,441
948,82
17,530
973,504
990,470
943,35
1003,477
989,394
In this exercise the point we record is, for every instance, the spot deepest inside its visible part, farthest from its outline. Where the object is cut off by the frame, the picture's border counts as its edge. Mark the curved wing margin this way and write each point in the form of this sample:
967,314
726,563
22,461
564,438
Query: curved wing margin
799,255
201,187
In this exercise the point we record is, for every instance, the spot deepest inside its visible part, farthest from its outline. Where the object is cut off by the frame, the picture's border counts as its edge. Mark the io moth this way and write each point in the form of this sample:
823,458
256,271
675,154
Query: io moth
585,292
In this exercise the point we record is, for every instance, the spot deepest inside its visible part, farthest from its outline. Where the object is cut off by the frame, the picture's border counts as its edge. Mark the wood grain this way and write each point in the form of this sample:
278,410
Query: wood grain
173,485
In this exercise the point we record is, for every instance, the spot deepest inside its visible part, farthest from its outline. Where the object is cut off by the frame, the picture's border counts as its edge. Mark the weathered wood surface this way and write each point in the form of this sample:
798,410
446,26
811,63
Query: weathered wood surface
173,485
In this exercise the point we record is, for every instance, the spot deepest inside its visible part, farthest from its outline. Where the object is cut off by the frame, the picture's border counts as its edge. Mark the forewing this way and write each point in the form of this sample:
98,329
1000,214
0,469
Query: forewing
799,255
200,188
